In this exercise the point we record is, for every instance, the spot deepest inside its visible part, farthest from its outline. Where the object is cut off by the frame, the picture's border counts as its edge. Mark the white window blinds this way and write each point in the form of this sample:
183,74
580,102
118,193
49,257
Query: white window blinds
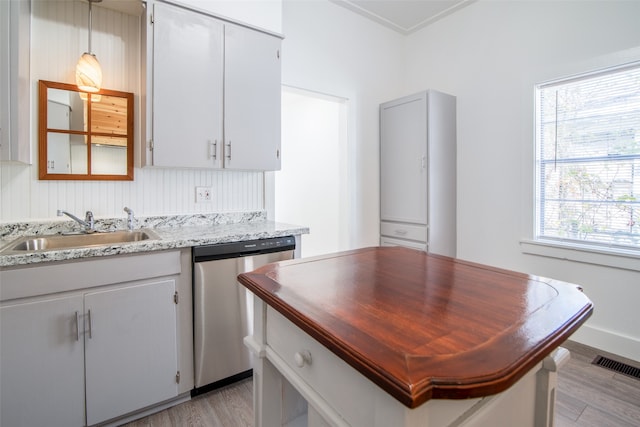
588,159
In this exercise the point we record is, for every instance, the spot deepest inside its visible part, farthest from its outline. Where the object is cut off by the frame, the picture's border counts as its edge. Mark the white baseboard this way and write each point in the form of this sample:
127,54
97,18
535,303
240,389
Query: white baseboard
609,341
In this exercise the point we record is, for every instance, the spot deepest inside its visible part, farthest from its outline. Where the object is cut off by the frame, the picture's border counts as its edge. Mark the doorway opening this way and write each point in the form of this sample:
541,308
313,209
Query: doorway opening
312,187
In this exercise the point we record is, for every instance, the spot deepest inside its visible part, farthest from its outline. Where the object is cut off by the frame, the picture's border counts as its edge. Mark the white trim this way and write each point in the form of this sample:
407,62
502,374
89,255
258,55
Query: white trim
624,259
588,74
609,341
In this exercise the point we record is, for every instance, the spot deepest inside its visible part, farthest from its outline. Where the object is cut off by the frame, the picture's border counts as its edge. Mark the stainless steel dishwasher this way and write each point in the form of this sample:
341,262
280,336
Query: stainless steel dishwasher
223,309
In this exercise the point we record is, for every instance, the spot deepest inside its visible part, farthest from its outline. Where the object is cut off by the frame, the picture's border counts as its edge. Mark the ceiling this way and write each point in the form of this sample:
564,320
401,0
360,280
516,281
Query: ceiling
404,16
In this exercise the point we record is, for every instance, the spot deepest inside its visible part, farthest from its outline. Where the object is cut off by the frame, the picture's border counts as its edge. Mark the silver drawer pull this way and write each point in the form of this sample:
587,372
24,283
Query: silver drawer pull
401,232
302,358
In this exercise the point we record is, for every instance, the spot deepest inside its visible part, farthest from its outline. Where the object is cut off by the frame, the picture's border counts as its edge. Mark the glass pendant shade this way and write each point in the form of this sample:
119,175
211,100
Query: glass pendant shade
88,73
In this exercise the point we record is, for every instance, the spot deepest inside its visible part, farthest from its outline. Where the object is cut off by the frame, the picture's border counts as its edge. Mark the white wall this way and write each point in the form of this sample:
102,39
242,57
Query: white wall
489,55
312,187
330,50
59,37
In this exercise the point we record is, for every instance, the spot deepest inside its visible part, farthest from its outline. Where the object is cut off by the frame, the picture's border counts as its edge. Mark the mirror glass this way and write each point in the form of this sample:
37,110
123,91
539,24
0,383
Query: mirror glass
85,136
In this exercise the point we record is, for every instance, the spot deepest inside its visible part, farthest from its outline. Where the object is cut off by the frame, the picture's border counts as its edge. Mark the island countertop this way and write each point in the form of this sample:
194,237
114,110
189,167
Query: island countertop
424,326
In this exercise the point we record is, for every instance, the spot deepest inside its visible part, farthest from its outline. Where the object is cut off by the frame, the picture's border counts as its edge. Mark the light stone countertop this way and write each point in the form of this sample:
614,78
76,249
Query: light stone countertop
174,232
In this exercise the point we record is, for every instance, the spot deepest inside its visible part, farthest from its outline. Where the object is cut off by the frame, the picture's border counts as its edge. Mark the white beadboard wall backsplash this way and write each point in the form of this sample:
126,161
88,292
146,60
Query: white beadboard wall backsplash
58,38
154,192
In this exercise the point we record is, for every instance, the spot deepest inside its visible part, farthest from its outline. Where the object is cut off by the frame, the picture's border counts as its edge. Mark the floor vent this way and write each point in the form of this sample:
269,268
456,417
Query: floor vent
619,367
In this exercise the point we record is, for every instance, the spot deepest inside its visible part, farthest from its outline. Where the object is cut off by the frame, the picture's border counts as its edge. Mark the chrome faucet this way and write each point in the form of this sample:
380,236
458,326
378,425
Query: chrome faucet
129,218
88,223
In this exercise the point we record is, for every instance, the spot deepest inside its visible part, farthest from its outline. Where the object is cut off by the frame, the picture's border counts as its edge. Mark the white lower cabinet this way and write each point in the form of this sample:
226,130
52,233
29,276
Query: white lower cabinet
42,363
130,349
83,356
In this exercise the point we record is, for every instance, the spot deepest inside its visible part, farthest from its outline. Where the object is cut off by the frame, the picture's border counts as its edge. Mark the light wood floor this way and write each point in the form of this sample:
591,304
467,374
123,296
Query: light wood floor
588,396
592,396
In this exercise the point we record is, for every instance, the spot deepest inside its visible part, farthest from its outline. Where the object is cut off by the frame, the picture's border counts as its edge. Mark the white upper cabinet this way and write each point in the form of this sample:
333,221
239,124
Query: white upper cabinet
252,102
14,81
187,75
213,92
262,14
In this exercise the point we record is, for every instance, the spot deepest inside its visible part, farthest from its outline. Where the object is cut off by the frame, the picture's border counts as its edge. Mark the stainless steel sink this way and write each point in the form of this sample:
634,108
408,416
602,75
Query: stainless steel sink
60,241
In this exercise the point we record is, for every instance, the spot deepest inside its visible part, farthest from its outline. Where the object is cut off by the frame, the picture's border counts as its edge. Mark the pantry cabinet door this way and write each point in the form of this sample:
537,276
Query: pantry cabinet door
187,75
41,361
252,99
131,349
403,160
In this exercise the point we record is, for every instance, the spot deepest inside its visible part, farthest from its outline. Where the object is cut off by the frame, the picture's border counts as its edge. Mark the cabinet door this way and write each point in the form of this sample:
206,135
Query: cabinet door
41,363
5,149
187,88
252,99
15,84
403,160
131,350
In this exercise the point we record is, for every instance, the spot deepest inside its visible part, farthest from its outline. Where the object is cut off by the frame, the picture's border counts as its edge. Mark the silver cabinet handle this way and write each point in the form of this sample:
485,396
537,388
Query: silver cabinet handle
77,326
213,149
90,325
400,232
229,151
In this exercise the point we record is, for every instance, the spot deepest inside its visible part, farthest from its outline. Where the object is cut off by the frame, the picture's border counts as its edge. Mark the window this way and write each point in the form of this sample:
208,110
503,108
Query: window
588,159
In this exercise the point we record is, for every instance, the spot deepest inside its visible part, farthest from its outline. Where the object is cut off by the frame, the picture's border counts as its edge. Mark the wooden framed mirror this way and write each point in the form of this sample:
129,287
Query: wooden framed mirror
84,136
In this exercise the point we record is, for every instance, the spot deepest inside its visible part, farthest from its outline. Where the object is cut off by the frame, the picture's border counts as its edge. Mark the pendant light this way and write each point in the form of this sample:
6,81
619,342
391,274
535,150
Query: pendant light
88,71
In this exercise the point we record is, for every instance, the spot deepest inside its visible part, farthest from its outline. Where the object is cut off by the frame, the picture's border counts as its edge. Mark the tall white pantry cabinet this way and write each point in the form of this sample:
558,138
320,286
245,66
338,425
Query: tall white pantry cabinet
418,172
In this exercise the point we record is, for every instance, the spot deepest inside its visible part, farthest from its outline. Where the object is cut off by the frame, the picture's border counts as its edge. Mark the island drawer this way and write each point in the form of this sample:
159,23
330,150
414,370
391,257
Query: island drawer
344,389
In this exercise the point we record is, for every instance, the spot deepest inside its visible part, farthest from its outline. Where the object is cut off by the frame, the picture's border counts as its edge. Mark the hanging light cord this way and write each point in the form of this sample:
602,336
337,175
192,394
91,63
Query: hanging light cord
90,3
555,137
91,22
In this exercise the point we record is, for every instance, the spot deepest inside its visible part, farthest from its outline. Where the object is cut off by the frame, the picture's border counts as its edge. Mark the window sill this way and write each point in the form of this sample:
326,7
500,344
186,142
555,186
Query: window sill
628,260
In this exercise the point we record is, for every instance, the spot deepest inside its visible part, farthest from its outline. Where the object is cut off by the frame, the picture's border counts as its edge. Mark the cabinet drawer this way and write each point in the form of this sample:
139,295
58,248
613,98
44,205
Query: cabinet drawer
389,241
343,388
87,273
404,231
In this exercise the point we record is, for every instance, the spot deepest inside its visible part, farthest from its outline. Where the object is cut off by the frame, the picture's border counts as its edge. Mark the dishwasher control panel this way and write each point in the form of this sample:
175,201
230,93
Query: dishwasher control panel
243,248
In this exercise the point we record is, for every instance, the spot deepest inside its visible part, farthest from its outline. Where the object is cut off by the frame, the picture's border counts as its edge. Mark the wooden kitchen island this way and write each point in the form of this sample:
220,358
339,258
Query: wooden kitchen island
394,337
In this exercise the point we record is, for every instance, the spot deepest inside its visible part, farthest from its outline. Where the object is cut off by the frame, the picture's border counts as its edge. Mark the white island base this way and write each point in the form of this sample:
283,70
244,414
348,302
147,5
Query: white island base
299,382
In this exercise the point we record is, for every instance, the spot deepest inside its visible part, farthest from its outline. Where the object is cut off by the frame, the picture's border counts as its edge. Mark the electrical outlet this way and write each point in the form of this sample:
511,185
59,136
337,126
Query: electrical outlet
203,194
